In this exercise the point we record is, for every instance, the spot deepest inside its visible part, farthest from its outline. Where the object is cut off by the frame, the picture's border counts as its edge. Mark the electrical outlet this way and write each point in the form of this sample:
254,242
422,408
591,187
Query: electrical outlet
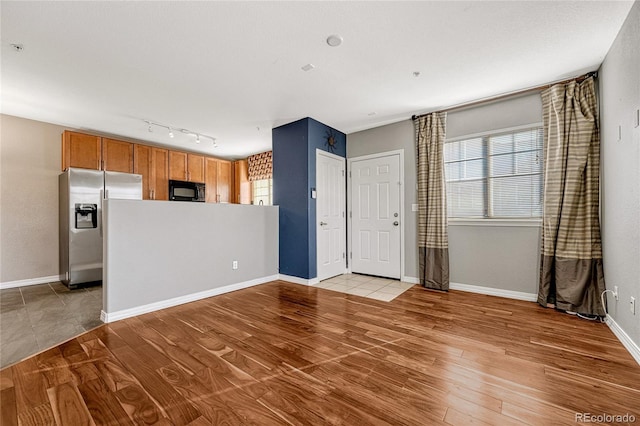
632,305
615,292
234,265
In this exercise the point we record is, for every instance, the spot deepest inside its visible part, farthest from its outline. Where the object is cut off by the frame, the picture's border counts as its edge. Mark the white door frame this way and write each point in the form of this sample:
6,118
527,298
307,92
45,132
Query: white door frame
400,153
344,218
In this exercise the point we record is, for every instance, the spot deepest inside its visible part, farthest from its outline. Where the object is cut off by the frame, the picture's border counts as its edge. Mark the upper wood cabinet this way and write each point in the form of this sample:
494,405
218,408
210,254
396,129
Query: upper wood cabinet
183,166
117,156
211,179
225,182
195,168
81,150
142,166
160,173
96,153
218,180
153,164
242,185
177,165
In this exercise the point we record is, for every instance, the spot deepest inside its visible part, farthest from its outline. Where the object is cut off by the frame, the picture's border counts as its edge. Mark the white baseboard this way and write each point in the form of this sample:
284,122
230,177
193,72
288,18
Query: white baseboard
509,294
410,280
298,280
30,281
624,338
107,317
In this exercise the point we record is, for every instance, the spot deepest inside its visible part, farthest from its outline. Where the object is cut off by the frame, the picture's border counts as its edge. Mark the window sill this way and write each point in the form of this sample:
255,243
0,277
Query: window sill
531,223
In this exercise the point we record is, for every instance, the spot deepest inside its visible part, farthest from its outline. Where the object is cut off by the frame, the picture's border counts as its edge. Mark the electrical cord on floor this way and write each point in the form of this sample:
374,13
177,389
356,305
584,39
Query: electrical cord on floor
605,306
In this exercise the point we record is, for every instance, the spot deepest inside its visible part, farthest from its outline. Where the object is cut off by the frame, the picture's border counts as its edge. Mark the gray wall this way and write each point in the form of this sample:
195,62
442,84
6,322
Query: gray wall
502,257
619,84
29,168
160,250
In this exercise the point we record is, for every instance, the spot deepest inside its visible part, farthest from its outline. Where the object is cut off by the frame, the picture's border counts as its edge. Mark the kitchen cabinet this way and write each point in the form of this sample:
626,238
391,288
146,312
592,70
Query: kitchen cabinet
225,182
81,150
160,173
96,153
177,165
195,168
218,180
242,185
211,179
183,166
117,156
153,164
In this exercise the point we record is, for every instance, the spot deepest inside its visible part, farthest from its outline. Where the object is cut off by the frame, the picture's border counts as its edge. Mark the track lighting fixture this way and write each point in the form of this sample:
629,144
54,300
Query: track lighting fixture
185,131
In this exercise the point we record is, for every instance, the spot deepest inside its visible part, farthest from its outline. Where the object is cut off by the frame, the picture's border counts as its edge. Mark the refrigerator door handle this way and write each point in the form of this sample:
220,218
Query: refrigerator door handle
102,194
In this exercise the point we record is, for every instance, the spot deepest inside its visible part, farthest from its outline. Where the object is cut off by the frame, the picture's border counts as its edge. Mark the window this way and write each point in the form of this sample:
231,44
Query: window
263,192
496,175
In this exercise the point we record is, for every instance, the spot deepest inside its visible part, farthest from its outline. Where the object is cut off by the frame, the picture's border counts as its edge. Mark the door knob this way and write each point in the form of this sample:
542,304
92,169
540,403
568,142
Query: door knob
395,223
323,223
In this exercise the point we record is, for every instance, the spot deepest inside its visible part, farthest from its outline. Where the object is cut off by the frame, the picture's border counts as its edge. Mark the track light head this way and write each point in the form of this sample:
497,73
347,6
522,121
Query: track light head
170,132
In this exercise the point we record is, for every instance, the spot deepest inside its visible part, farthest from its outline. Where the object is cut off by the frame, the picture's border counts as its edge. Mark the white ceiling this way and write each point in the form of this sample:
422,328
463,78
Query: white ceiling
232,70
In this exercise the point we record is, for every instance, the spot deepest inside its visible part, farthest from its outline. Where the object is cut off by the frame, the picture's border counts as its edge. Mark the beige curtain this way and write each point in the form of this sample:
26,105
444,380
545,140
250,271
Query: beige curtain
260,166
571,275
433,243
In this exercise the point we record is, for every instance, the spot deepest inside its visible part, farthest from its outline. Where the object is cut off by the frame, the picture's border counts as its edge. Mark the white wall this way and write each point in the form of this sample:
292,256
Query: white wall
29,168
160,252
619,85
504,258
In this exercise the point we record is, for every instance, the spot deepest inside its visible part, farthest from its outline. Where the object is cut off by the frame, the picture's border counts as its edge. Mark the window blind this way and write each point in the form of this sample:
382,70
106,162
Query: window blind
495,175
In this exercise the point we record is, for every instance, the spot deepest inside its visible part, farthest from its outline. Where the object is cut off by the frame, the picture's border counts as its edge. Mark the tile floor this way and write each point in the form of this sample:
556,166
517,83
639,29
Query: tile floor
37,317
384,289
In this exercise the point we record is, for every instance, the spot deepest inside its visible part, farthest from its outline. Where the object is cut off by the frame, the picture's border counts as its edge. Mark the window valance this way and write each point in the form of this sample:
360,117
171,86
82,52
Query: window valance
260,166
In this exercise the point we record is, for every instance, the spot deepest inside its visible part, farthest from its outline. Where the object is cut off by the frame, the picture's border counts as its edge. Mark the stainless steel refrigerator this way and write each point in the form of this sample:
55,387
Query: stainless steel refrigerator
81,195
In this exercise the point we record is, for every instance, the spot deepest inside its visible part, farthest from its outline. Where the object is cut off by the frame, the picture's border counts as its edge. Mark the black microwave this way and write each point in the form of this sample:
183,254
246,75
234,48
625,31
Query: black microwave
186,191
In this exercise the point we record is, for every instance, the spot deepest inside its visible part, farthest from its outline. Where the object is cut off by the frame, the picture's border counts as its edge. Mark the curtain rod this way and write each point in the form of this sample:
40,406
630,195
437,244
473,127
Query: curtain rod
508,95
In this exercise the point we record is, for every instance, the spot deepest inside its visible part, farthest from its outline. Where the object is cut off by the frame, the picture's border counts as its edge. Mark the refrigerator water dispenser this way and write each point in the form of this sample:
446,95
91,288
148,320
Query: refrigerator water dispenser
86,216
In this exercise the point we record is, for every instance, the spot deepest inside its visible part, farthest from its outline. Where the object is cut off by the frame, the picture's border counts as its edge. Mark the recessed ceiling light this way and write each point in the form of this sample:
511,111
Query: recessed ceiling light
308,67
334,40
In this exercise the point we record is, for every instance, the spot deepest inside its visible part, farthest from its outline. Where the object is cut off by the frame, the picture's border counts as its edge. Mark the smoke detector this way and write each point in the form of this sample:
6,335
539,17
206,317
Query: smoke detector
334,40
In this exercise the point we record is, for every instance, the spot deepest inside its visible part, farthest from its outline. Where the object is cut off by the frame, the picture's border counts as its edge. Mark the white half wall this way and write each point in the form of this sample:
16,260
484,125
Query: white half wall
161,253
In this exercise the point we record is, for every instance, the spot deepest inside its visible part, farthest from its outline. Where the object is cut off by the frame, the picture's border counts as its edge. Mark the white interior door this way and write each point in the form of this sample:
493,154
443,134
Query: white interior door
330,214
375,216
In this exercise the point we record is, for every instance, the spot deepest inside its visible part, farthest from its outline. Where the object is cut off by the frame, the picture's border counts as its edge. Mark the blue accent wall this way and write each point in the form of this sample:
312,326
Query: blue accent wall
294,175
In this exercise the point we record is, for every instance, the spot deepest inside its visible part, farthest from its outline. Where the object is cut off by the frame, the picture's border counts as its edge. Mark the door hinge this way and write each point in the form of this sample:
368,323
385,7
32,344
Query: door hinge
343,173
343,255
342,214
349,174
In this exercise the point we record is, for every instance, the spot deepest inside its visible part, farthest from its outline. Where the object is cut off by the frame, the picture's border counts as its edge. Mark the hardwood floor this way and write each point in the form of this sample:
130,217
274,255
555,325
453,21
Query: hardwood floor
282,353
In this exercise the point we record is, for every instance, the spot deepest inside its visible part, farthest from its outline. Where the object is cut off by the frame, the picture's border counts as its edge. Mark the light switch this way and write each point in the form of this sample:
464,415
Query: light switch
414,207
313,193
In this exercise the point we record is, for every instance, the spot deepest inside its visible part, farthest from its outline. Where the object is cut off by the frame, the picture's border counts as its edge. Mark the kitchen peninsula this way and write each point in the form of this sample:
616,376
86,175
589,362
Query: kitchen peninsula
159,254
